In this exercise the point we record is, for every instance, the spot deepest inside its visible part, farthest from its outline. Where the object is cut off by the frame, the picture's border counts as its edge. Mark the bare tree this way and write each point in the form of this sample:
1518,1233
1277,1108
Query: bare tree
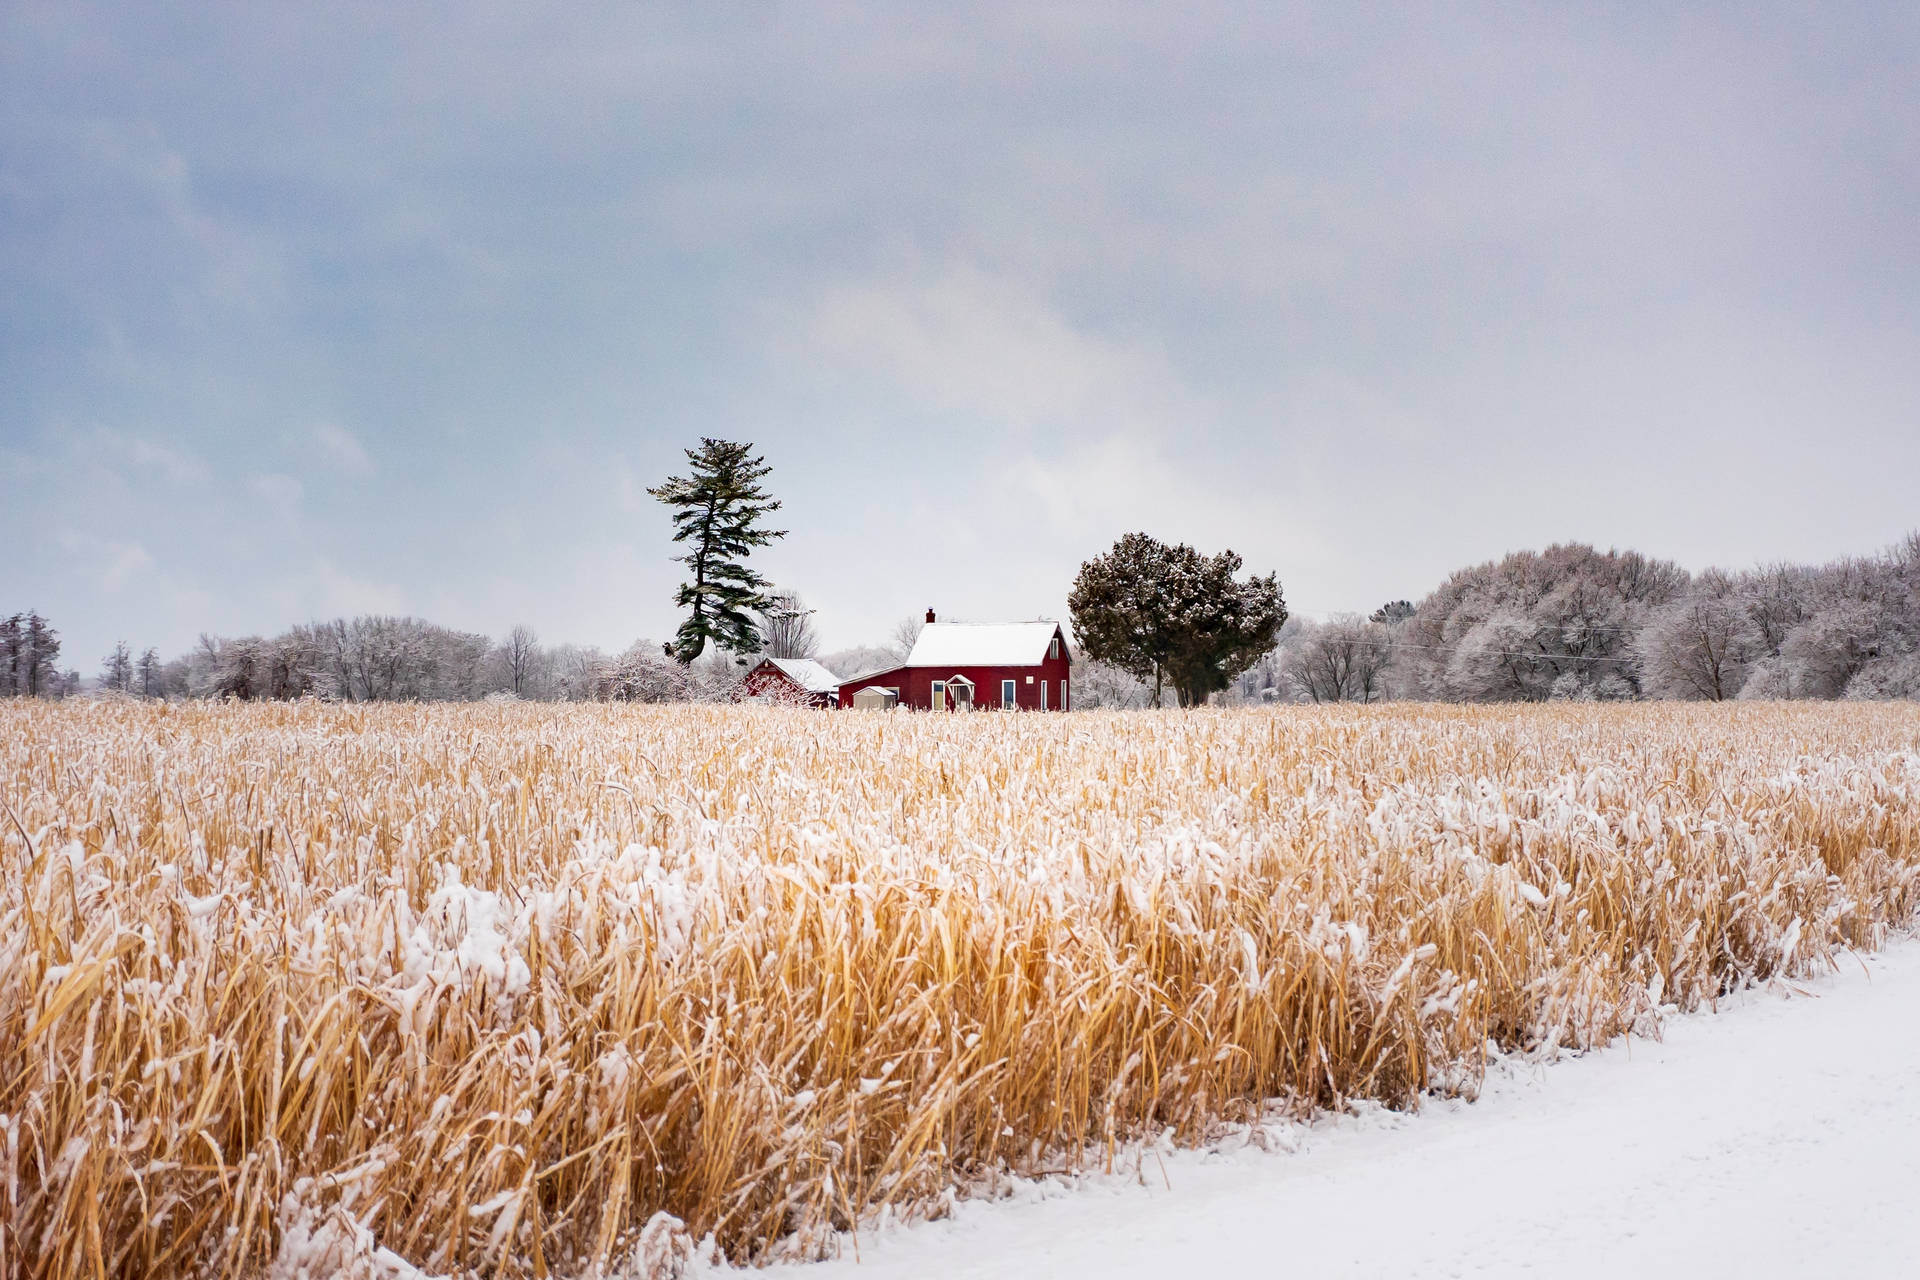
151,675
1344,659
237,671
1101,684
905,633
574,669
859,660
521,653
786,626
116,670
1699,646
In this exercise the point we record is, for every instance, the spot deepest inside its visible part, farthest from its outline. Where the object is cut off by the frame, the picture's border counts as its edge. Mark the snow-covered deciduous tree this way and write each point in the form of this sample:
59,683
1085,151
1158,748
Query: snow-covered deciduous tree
361,659
1699,646
574,669
1501,657
905,633
1096,685
1776,599
786,626
859,660
1824,653
1344,659
253,668
116,669
521,657
150,675
1897,676
644,674
387,659
1846,629
1538,625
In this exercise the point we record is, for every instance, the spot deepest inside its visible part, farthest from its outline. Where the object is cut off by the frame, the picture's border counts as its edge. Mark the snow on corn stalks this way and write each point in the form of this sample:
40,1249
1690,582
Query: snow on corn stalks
525,990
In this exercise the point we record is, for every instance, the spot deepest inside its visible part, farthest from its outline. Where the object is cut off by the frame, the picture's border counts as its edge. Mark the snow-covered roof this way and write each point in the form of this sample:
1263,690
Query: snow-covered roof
975,644
808,674
889,669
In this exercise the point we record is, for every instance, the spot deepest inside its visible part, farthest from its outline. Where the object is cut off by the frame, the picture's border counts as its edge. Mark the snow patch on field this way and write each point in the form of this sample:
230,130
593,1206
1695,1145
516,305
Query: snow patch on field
1772,1138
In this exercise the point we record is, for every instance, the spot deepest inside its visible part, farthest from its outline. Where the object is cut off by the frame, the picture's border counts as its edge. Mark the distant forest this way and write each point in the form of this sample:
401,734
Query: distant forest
1567,623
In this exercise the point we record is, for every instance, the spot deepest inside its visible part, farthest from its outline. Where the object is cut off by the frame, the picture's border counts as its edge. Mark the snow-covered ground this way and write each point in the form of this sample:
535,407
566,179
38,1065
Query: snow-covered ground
1779,1137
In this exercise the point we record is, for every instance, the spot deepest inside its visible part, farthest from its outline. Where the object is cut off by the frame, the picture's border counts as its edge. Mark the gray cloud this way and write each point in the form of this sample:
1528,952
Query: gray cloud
1365,293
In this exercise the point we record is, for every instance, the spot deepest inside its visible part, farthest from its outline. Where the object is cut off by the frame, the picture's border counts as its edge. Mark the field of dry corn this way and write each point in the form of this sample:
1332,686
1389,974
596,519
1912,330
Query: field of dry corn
533,990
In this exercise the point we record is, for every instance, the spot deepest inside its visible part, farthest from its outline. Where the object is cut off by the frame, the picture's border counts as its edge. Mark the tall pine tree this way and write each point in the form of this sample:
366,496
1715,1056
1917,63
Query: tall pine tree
718,510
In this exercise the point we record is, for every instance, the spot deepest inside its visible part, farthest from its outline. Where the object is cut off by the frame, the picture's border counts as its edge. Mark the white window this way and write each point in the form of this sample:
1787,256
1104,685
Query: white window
939,699
1043,695
1007,688
1053,647
1063,695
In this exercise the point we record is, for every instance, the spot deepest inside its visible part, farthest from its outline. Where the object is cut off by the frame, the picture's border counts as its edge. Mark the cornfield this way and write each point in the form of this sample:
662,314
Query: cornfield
521,990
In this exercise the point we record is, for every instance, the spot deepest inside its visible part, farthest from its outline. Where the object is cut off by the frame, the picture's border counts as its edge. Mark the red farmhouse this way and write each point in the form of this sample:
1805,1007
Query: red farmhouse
799,681
1013,666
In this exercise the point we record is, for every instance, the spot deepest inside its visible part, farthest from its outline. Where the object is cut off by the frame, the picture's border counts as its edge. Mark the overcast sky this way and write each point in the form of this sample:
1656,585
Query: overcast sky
399,308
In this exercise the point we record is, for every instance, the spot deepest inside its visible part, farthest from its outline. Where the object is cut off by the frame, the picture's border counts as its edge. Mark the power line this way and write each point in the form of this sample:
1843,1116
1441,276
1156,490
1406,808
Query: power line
1504,653
1513,653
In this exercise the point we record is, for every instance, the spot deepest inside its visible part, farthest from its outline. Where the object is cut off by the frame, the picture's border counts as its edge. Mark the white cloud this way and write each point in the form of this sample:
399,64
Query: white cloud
1092,427
139,456
341,447
338,592
970,343
280,491
112,563
228,261
125,561
629,490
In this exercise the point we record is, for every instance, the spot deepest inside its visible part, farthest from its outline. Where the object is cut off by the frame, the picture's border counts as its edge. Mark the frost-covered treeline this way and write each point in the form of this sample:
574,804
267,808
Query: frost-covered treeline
1567,623
363,659
1559,623
1572,622
645,673
387,659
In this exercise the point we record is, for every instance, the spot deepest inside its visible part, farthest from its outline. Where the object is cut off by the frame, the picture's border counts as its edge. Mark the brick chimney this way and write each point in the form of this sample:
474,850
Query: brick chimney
929,615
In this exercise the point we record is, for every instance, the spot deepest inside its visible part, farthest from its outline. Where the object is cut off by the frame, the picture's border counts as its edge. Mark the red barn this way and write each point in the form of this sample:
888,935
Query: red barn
1015,666
799,681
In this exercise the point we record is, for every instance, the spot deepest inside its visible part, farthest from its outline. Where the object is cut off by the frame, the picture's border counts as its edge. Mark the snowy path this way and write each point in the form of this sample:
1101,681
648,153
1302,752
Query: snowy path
1780,1137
